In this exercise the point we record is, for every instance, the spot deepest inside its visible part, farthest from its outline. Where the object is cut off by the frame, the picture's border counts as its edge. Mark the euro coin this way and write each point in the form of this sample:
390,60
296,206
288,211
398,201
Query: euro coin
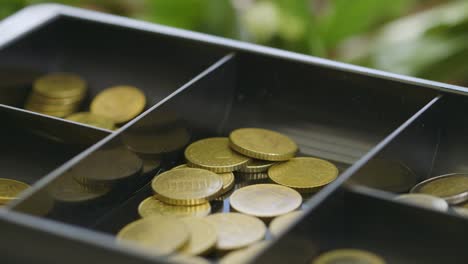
152,206
262,144
303,174
203,236
227,177
236,230
215,155
265,200
257,166
36,98
349,256
10,190
60,85
119,103
92,120
156,235
187,186
424,200
281,223
453,188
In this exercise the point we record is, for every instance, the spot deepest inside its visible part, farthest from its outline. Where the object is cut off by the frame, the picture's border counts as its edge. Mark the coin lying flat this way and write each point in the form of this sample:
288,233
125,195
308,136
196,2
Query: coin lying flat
10,189
152,206
237,230
92,120
256,166
203,236
262,144
281,223
453,188
187,186
156,235
303,174
119,103
244,255
227,177
424,200
349,256
60,85
66,189
36,98
215,155
265,200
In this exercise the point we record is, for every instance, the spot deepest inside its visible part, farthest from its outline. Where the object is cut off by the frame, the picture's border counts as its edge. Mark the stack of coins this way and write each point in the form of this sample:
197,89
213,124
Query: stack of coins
57,94
258,173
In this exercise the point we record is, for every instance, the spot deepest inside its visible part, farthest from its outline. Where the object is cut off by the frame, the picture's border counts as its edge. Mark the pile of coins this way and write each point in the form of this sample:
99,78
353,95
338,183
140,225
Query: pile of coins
178,218
61,95
10,190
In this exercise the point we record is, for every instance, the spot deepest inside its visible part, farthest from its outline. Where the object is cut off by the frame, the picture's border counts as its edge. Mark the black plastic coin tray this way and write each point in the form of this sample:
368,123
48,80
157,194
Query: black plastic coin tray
200,86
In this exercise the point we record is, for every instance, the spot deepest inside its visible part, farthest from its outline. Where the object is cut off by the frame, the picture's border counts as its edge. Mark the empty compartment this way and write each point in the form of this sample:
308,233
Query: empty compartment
156,63
396,232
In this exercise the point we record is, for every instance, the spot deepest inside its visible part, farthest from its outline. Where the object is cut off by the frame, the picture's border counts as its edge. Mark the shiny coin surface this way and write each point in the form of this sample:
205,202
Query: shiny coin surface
424,200
10,189
453,188
265,200
152,206
60,85
281,223
66,189
203,236
244,255
227,177
156,235
215,155
36,98
348,256
256,166
187,186
252,176
92,120
303,174
237,230
262,144
119,103
386,175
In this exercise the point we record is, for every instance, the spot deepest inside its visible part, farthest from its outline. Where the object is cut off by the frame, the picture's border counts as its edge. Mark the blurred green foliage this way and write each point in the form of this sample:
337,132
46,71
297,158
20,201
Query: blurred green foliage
414,37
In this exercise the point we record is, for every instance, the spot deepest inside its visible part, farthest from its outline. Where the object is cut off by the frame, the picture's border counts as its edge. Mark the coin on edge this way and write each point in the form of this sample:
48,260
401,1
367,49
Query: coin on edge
60,85
303,174
203,236
424,200
236,230
152,206
215,155
262,144
119,103
265,200
348,256
189,186
92,120
453,188
10,189
281,223
157,235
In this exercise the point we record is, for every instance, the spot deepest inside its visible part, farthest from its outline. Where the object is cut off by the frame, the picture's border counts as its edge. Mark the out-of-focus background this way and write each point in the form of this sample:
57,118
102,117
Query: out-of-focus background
423,38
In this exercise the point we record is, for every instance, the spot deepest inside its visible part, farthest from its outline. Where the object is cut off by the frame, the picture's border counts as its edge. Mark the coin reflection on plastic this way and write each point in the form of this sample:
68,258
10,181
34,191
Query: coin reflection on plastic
453,188
424,200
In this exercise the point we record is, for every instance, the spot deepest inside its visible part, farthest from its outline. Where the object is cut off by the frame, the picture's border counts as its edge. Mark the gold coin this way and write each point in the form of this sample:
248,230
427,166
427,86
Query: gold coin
215,155
187,186
119,103
265,200
256,166
253,176
245,255
51,108
179,258
156,235
51,113
66,189
453,188
351,256
237,230
10,190
203,236
281,223
92,120
60,85
152,206
424,200
36,98
227,177
262,144
303,174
